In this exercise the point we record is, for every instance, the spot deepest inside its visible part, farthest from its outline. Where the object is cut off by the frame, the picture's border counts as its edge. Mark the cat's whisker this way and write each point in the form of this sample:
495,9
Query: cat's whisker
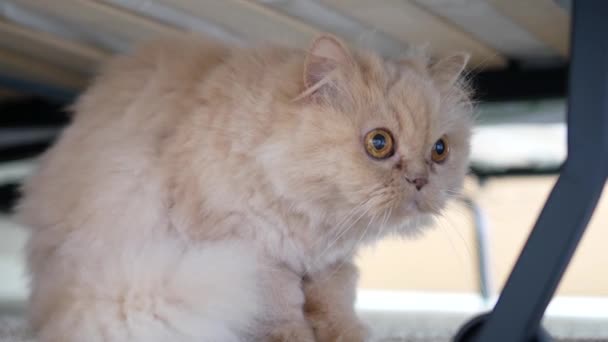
353,248
453,191
382,223
481,65
343,221
441,225
388,217
370,205
462,207
381,228
344,231
441,214
445,220
339,231
461,203
458,196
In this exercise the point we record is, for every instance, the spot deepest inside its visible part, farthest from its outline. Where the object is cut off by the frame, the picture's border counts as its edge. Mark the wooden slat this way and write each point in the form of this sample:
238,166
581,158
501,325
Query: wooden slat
253,21
102,19
24,67
414,25
165,13
542,18
66,54
486,23
329,20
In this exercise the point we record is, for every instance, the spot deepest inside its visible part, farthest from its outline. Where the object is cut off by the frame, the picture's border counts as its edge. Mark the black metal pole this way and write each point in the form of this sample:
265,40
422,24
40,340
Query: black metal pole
536,275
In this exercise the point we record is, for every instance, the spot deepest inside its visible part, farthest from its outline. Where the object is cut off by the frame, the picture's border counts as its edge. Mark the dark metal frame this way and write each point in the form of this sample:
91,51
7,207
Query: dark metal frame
520,308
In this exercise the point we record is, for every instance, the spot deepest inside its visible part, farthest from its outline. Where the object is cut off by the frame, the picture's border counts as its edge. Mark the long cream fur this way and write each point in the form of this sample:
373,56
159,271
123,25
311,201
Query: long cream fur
210,193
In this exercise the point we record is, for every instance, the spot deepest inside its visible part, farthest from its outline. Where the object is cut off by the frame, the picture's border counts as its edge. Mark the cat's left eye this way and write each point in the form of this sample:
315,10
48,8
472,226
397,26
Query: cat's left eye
440,150
379,143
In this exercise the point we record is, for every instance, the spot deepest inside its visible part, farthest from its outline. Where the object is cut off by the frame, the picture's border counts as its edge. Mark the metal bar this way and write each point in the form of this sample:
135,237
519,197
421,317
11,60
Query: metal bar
482,232
19,136
484,271
50,92
519,310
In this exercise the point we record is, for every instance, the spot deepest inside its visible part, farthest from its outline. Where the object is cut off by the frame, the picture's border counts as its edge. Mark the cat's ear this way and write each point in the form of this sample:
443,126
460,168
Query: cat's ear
325,55
447,70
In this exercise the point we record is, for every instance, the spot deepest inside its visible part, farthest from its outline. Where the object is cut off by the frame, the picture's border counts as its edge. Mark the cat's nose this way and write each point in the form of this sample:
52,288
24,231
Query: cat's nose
419,182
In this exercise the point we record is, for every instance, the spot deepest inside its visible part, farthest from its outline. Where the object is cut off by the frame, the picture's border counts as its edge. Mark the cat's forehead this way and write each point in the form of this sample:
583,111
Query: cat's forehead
415,102
400,83
394,72
404,97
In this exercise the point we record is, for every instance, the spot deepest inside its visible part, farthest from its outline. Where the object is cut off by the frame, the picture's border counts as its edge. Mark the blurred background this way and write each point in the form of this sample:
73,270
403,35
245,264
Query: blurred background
419,289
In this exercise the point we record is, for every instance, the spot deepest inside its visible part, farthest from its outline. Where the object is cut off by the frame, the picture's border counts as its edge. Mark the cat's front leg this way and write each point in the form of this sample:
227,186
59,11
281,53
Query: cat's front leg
284,319
329,307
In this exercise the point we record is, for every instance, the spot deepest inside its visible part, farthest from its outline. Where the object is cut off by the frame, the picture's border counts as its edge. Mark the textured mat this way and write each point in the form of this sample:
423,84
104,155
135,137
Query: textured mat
421,328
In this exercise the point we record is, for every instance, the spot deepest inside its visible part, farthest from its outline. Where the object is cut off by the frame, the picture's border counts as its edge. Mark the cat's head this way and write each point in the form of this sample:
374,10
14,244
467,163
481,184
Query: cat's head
372,139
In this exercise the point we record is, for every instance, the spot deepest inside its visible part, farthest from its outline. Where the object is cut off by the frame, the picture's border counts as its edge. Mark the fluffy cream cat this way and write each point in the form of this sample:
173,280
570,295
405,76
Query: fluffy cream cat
210,193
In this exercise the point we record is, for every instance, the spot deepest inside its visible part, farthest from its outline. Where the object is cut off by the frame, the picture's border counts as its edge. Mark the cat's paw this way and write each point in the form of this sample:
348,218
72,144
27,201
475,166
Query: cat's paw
355,332
292,332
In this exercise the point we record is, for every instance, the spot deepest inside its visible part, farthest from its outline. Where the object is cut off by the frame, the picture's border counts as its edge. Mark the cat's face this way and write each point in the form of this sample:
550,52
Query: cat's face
382,141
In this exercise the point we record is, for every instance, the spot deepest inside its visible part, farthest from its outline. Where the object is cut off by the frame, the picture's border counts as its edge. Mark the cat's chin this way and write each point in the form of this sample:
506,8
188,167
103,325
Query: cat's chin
407,212
411,217
413,207
413,224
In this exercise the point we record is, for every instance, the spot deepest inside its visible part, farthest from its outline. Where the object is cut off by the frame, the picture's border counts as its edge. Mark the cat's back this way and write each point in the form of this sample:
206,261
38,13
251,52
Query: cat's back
110,150
111,161
168,69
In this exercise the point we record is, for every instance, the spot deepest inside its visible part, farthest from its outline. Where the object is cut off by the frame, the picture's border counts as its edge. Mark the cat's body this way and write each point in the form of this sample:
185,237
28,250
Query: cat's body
204,193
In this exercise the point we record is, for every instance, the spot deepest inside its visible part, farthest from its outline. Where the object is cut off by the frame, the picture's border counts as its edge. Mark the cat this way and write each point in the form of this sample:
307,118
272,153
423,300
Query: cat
204,192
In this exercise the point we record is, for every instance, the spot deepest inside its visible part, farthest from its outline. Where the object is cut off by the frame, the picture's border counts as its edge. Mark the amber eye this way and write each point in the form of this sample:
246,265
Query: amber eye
379,143
440,150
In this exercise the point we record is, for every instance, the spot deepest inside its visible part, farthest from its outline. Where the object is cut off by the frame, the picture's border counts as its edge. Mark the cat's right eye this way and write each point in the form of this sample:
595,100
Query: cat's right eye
440,150
379,143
